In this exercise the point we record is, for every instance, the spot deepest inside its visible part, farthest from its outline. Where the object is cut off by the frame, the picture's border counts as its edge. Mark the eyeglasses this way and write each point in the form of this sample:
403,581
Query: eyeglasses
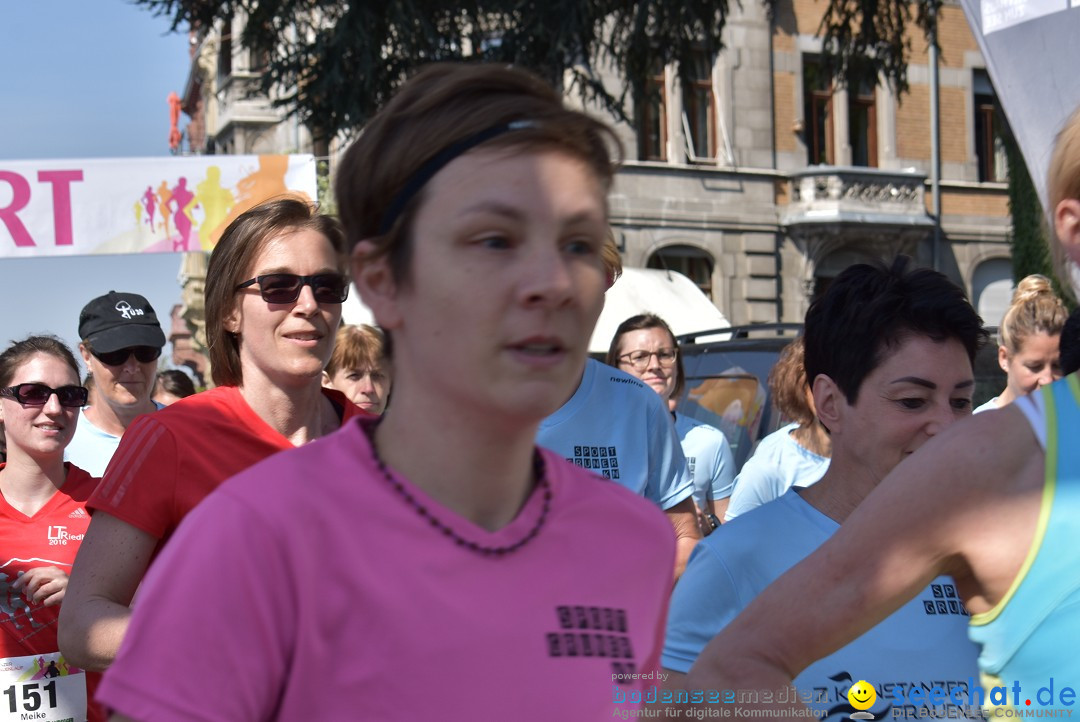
143,354
38,394
639,360
285,287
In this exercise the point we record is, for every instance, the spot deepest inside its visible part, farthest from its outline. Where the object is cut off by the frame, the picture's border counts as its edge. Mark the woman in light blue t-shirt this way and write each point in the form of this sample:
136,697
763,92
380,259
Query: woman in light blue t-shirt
645,347
795,455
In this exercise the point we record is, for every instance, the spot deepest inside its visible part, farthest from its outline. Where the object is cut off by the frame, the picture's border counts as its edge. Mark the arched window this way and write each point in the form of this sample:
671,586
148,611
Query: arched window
694,263
992,289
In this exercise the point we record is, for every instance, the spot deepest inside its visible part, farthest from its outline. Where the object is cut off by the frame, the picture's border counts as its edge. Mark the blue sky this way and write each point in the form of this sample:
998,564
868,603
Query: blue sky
84,79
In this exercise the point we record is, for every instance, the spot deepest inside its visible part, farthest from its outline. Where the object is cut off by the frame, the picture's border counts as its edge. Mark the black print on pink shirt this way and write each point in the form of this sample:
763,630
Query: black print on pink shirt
593,632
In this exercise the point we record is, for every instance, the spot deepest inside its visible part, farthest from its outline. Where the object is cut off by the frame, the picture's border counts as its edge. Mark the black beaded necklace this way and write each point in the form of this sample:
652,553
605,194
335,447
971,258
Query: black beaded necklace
539,473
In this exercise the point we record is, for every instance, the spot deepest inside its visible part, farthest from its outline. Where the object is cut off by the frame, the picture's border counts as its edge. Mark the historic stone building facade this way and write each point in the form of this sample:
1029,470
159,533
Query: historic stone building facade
229,112
759,180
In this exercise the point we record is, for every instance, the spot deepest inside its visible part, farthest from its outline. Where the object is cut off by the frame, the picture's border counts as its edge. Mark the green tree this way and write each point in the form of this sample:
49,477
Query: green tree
864,38
334,62
1030,251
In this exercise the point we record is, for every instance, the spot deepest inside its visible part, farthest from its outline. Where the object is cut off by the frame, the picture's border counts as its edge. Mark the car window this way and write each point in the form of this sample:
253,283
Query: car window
726,387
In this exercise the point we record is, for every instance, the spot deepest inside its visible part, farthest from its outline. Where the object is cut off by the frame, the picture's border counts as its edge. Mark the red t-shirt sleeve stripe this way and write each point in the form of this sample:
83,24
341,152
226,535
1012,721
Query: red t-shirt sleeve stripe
138,442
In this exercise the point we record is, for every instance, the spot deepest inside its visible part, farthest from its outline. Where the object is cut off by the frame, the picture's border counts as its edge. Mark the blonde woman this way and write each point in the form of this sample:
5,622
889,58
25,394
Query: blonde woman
1030,333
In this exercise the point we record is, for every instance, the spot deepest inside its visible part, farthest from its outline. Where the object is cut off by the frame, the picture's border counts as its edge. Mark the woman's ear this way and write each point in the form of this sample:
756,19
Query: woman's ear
1067,227
375,283
1003,358
829,402
231,322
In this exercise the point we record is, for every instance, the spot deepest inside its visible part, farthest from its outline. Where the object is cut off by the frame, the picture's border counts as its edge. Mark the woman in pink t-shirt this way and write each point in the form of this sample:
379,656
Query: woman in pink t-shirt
432,563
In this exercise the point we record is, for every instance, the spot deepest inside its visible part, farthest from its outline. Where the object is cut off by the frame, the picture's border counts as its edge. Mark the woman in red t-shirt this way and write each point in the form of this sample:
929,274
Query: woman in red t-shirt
42,522
274,288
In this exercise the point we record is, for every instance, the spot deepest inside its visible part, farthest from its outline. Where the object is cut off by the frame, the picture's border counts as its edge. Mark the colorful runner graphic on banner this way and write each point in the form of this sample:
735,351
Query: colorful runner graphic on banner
137,205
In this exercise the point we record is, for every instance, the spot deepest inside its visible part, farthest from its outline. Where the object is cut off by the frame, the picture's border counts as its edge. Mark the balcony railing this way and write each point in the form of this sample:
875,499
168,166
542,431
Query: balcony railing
846,195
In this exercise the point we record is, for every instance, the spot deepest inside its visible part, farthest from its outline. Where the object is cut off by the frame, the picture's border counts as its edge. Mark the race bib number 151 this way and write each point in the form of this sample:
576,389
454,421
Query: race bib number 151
41,687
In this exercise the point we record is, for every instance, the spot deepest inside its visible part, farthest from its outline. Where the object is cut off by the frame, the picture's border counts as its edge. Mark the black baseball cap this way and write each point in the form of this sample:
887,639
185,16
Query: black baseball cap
120,320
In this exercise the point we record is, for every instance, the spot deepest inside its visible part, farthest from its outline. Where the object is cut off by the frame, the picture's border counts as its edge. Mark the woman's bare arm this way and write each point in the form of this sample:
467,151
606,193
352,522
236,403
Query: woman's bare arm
110,564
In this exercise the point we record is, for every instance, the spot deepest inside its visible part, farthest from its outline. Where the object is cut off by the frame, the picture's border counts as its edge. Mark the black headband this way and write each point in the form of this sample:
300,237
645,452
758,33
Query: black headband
437,162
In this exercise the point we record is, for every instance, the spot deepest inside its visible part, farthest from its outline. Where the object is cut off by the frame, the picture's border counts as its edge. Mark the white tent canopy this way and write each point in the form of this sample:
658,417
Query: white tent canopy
668,294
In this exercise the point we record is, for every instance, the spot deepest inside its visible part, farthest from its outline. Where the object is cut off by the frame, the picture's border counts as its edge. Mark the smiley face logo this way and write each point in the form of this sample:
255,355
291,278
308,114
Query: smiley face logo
862,695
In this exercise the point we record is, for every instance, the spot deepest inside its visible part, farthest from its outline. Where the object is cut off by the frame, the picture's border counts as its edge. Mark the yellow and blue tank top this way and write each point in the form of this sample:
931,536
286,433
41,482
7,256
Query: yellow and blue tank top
1033,633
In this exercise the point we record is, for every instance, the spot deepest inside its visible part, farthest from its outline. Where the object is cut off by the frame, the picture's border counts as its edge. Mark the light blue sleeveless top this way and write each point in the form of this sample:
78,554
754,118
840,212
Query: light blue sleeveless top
1033,633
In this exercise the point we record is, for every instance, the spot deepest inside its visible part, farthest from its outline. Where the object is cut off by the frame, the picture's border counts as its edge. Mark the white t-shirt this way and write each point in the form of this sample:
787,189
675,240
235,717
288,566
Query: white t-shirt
778,463
91,449
1033,409
988,406
923,643
708,459
616,426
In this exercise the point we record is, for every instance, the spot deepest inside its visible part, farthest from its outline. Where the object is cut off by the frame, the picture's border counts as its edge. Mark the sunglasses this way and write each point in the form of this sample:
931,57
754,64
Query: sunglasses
38,394
285,287
143,354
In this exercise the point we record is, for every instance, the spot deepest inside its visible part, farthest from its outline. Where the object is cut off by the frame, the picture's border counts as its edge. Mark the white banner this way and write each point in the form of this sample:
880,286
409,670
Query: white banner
1002,14
1032,52
137,205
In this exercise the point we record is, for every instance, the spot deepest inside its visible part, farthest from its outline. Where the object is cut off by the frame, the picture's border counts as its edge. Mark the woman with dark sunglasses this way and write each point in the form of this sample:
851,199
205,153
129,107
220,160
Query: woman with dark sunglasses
121,341
274,288
42,521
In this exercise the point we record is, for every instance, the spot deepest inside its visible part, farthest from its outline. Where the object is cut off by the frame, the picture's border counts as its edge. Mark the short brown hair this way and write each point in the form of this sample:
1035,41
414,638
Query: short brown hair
231,261
443,107
175,382
612,259
357,347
